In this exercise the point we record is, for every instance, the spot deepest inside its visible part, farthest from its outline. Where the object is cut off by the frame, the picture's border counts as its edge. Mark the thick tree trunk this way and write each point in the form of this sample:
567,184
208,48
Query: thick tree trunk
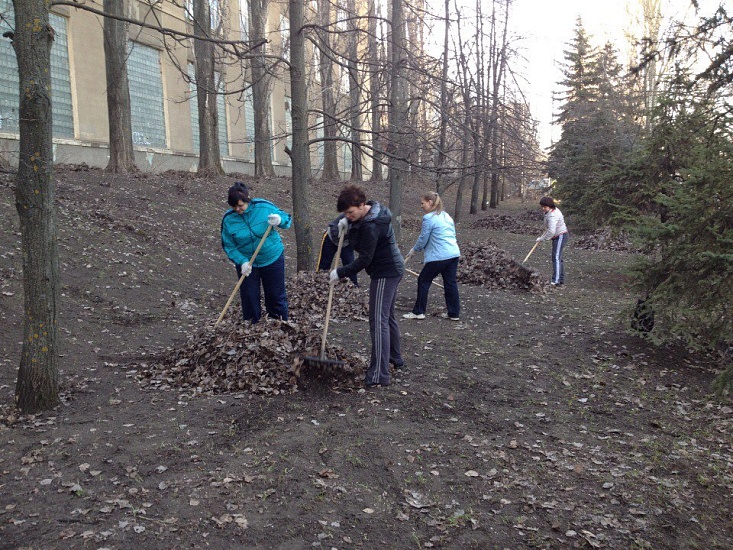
261,90
300,155
206,92
37,385
121,152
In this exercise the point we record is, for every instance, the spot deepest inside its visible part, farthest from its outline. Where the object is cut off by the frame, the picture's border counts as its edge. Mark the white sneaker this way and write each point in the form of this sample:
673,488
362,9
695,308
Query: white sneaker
412,315
445,316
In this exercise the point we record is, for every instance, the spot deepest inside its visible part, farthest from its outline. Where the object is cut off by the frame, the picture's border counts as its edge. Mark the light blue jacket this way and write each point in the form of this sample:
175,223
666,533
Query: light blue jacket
241,233
437,237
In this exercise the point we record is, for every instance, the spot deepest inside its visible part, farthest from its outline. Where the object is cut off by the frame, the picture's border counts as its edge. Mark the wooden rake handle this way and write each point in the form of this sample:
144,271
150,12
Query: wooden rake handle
335,262
241,279
416,274
530,252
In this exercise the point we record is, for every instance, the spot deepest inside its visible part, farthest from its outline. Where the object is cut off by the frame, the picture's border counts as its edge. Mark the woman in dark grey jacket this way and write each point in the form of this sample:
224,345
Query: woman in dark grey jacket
371,235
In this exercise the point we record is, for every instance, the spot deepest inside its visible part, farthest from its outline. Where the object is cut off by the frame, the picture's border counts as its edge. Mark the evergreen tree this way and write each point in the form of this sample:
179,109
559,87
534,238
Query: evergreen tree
598,133
688,273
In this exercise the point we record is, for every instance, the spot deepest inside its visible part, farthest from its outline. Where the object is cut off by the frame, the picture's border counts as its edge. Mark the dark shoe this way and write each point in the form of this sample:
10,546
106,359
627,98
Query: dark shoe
399,367
375,386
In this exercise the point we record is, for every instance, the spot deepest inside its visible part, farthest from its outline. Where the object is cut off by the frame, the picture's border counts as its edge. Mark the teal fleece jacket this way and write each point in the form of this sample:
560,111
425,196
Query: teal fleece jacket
241,233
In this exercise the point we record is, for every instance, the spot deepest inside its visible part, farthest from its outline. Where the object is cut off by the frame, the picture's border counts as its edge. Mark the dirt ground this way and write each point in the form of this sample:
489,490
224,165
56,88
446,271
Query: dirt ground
536,421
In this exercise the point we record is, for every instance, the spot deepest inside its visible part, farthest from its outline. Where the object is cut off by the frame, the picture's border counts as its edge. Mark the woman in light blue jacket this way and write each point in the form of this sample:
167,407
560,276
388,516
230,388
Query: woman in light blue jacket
438,240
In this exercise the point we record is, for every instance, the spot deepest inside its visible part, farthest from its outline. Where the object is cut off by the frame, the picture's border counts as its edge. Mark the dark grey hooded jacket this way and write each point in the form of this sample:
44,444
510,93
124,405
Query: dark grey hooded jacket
373,238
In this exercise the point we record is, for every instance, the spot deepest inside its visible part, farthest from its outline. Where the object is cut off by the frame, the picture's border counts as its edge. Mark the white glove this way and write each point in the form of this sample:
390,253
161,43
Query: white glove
343,225
274,219
539,239
333,277
246,269
410,254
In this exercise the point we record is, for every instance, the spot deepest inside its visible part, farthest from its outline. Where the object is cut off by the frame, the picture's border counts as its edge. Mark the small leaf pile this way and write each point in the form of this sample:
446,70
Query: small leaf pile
604,239
529,223
267,357
485,264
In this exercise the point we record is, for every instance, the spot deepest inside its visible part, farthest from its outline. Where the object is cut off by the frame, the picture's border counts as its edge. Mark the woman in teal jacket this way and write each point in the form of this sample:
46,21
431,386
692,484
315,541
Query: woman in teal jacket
242,229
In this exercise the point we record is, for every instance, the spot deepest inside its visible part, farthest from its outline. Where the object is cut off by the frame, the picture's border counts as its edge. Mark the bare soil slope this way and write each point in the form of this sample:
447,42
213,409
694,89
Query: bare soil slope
536,421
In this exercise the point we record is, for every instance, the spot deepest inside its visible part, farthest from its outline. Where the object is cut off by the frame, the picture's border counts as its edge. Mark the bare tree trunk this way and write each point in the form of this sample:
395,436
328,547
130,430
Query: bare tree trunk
328,101
374,88
458,214
300,155
478,121
37,384
209,154
261,90
440,161
498,70
414,42
397,117
121,152
354,97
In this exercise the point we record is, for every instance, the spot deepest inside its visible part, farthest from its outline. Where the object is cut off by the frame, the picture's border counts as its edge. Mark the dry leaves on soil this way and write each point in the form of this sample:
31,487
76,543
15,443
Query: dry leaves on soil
485,264
604,239
266,358
528,222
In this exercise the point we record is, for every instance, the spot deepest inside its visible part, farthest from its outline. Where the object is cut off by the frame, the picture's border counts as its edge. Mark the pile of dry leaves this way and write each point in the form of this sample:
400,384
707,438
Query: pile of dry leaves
267,357
485,264
528,223
604,239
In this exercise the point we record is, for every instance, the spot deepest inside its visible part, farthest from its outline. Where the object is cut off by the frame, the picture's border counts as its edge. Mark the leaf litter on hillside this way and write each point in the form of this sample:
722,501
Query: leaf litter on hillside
267,357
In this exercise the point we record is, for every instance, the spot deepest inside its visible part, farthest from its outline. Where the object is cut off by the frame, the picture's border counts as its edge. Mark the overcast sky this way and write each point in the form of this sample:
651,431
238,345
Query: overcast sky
548,27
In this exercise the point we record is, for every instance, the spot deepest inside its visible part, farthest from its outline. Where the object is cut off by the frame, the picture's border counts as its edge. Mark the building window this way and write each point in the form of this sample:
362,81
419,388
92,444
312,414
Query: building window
221,115
346,150
288,123
285,36
249,124
146,96
244,19
63,115
214,9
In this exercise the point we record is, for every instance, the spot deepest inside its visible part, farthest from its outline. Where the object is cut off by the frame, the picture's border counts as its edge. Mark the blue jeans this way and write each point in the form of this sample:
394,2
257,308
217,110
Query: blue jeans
383,329
272,279
558,265
448,269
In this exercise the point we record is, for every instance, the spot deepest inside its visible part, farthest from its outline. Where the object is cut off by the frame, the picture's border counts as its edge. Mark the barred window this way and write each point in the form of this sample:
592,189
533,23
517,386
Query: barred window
146,95
62,112
221,114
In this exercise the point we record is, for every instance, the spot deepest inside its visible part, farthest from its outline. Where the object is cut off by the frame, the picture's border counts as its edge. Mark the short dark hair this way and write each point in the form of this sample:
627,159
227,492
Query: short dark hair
547,201
351,195
238,192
